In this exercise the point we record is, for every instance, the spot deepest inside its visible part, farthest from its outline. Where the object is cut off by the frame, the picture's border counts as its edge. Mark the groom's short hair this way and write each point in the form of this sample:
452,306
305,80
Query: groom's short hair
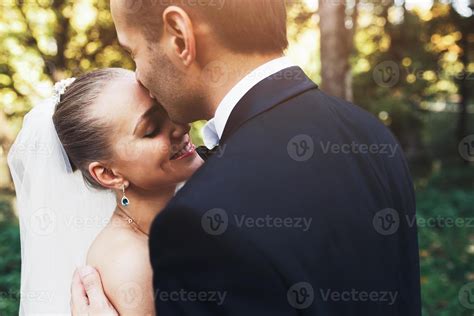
244,26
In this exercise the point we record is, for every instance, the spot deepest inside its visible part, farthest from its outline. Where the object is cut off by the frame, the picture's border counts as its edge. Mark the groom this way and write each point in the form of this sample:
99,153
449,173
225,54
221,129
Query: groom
305,205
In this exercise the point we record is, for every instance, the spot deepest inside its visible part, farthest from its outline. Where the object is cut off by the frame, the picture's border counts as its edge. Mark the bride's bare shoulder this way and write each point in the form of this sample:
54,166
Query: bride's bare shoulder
122,259
115,240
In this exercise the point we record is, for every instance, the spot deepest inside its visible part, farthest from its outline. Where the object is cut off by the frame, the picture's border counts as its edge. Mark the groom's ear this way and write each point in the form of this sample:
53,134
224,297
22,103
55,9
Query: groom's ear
105,176
179,35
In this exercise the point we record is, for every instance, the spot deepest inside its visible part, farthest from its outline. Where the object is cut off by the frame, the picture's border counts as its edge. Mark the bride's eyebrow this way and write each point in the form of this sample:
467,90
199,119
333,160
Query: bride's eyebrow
154,108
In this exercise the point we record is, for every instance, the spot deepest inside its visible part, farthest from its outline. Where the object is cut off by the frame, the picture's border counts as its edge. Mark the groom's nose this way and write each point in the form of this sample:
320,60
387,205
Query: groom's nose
137,76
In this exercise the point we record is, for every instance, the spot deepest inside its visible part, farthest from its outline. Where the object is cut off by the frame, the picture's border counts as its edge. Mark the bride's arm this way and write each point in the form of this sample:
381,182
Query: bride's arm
126,275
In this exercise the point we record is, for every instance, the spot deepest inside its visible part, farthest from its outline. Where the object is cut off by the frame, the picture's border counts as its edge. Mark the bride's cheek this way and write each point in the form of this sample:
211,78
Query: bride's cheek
164,149
148,152
160,157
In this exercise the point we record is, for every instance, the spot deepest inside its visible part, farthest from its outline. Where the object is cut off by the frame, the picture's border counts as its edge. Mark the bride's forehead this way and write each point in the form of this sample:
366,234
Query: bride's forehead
127,92
125,88
123,94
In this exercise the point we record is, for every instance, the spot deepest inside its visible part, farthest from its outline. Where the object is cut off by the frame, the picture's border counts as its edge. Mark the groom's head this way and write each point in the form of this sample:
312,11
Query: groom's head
182,48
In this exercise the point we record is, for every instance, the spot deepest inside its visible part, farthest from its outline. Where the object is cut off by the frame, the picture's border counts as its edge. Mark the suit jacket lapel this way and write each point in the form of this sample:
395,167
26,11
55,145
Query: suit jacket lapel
270,92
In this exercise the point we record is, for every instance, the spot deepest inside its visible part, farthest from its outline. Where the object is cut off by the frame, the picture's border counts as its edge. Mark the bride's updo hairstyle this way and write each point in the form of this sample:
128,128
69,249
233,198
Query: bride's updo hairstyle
83,136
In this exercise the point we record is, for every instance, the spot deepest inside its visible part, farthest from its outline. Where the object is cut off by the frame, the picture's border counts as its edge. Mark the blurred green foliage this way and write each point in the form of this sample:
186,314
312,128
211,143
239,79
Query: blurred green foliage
429,58
10,259
446,248
45,41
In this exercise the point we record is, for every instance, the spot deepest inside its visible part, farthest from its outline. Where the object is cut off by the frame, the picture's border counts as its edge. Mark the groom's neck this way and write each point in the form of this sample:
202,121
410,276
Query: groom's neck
232,68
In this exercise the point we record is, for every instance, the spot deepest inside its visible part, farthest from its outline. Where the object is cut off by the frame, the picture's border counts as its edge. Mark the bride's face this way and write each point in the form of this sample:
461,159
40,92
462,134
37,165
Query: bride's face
149,151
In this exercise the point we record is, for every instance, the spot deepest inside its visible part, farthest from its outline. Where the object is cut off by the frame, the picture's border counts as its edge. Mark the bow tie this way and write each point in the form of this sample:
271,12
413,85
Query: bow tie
206,153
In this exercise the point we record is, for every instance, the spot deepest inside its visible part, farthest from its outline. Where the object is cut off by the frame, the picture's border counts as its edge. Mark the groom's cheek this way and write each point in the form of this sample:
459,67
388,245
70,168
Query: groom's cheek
218,4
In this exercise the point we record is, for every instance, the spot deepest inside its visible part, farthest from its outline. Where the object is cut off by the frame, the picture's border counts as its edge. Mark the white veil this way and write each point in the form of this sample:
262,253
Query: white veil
59,215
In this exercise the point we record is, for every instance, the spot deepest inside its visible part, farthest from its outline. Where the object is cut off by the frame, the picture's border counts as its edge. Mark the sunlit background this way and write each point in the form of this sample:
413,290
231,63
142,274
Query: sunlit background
410,63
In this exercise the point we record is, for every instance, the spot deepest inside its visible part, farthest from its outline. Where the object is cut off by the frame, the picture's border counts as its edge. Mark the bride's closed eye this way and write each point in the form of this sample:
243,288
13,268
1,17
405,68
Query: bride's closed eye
155,122
152,130
149,123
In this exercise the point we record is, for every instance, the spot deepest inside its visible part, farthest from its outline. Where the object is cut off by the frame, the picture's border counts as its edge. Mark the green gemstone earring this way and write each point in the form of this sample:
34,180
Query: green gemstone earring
125,201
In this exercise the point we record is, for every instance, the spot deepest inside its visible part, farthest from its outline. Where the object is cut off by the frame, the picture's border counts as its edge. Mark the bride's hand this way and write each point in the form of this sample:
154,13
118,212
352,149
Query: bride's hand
87,294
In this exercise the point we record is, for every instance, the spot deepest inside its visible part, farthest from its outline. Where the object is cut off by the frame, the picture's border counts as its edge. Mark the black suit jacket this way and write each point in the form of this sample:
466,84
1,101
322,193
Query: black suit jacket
306,209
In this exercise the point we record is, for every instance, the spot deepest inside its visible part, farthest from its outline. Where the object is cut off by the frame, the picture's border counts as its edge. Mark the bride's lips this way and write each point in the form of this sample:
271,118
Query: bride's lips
186,149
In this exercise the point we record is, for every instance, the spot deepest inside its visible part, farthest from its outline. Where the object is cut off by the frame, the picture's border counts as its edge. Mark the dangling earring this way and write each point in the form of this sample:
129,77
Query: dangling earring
125,201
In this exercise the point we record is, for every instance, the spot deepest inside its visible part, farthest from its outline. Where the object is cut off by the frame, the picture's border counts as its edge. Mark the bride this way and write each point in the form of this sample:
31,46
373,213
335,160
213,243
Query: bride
92,168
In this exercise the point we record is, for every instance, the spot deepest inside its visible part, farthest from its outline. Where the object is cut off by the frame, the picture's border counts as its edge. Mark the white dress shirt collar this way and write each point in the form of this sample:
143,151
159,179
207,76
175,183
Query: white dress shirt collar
213,130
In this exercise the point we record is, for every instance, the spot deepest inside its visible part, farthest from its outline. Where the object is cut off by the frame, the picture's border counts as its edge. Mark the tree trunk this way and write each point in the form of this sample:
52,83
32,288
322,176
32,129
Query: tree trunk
335,51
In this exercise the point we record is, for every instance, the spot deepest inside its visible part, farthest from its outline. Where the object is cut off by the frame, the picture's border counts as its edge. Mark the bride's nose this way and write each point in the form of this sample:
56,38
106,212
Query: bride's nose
179,130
